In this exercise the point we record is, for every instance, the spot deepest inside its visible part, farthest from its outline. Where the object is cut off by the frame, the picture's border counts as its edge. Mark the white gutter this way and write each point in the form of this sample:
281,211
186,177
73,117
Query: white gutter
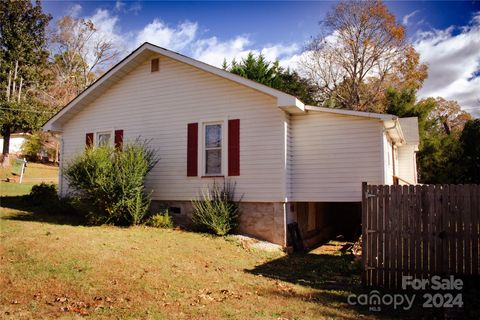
381,116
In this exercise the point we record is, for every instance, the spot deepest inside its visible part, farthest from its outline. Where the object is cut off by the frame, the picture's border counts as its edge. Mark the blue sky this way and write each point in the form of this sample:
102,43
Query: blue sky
446,33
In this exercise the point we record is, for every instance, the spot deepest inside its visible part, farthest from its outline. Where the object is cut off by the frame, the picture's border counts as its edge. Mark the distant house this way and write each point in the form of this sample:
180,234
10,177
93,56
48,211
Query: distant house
16,142
290,161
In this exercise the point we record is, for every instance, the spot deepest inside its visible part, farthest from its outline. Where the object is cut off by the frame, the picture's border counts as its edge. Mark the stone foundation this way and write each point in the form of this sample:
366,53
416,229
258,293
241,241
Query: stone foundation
262,220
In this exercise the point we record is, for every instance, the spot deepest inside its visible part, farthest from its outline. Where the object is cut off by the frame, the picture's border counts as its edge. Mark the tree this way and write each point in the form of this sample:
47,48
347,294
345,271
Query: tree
442,156
470,157
449,115
81,54
258,69
23,61
364,53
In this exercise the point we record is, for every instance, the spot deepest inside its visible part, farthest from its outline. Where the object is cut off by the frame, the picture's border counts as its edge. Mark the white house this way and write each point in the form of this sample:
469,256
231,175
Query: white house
291,162
16,143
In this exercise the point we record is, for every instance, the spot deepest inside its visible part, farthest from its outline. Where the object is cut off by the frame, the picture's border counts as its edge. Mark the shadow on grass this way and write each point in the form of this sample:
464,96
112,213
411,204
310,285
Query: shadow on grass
318,271
335,277
49,213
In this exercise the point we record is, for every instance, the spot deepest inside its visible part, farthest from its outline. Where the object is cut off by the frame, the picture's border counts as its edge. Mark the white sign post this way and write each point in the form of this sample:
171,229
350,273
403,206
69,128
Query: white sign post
19,168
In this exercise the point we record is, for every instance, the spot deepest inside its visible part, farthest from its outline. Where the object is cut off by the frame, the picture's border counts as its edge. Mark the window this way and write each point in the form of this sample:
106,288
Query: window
104,138
213,149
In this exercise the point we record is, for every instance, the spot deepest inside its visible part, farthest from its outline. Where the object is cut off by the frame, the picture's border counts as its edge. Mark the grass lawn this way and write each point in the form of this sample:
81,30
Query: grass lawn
35,173
52,268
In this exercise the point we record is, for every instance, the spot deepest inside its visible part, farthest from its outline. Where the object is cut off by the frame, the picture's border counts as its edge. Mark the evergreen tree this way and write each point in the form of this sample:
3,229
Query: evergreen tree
23,62
258,69
469,161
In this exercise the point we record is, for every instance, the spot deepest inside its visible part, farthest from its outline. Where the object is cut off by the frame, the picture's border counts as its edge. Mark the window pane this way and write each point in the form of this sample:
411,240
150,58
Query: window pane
213,136
104,139
213,161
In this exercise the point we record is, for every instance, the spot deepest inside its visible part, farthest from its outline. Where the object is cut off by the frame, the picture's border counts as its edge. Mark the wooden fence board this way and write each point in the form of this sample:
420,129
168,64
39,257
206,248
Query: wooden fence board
411,229
459,229
425,244
419,231
417,252
444,216
475,205
380,233
467,226
404,226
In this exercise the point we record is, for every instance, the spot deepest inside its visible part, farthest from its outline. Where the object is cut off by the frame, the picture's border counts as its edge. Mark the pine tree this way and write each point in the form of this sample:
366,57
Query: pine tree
258,69
23,62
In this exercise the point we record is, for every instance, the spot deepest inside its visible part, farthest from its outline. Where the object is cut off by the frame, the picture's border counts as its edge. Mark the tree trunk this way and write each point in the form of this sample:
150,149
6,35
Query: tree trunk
6,146
446,127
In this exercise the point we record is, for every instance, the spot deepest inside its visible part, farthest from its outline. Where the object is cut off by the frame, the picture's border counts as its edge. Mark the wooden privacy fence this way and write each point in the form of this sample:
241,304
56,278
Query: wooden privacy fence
420,230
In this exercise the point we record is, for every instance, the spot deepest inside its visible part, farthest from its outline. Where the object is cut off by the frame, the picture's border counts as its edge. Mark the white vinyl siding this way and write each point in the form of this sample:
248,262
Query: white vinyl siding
407,164
159,105
331,155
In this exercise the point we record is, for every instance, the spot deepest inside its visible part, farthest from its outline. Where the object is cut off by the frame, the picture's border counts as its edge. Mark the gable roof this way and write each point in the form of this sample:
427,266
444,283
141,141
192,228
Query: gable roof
285,101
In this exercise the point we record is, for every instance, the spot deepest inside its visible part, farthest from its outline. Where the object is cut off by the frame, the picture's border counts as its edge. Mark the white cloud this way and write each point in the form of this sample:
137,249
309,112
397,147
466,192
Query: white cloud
213,51
158,33
453,57
106,25
292,61
75,10
119,5
136,7
279,51
407,17
185,38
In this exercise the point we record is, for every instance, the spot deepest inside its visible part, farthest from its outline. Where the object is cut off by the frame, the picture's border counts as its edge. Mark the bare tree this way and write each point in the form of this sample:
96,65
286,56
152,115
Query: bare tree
449,115
81,53
361,49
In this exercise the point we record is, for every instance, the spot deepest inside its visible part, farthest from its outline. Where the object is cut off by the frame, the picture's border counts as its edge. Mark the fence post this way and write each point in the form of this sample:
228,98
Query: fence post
364,233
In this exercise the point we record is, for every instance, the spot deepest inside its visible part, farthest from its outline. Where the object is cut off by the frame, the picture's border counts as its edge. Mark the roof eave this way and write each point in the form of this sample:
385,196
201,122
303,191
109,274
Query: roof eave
380,116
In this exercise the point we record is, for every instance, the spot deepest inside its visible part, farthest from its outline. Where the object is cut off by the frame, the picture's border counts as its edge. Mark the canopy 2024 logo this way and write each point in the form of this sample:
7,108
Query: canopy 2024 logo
442,298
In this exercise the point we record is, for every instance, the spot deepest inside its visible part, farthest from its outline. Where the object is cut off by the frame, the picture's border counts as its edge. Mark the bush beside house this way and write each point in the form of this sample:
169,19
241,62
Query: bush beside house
112,182
217,211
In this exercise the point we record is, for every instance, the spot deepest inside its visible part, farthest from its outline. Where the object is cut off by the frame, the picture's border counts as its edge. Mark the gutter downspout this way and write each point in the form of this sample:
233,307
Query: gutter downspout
393,147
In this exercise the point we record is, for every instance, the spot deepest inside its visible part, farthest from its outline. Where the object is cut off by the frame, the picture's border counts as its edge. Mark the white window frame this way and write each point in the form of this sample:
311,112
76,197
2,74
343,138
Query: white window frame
97,133
202,154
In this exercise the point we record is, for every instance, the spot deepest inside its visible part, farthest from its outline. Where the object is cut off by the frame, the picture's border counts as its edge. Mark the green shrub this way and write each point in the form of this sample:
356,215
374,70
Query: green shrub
160,220
217,211
34,144
44,198
112,182
43,193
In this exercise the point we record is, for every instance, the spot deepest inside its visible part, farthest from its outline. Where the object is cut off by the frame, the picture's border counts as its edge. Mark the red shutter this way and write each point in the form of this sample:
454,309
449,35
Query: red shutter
192,149
118,139
234,147
89,140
